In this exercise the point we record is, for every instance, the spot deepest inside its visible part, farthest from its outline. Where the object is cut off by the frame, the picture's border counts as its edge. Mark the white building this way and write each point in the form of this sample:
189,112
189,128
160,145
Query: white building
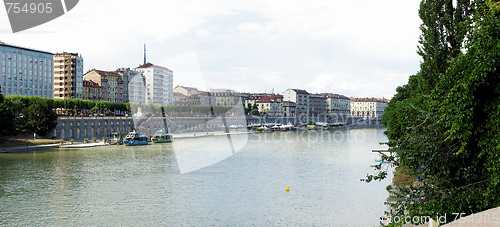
300,98
159,84
368,107
26,71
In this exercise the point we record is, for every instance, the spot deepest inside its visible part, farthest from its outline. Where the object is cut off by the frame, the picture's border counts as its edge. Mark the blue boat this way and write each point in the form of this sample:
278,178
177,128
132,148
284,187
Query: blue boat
135,138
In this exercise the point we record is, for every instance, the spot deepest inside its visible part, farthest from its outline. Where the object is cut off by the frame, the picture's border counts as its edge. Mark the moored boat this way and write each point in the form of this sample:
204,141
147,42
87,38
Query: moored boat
135,138
161,137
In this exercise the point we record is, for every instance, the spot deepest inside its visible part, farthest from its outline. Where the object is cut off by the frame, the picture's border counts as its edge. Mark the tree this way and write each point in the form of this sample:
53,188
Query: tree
444,30
6,117
102,105
40,118
445,123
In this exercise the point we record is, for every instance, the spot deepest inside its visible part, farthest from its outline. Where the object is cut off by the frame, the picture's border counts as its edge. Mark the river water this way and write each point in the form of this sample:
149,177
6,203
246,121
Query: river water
209,181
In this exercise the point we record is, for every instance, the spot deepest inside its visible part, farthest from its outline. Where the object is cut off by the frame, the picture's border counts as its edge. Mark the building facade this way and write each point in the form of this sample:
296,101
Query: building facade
288,109
68,75
224,97
127,74
136,87
180,99
300,98
337,105
187,91
92,91
26,71
317,105
159,84
368,107
191,96
205,98
271,105
111,83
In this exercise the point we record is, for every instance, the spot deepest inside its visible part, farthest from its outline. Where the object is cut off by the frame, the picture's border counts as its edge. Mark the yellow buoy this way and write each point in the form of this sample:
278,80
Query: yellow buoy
287,188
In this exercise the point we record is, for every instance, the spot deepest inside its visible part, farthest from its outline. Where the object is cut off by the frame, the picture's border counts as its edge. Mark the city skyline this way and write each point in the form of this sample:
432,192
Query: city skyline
360,49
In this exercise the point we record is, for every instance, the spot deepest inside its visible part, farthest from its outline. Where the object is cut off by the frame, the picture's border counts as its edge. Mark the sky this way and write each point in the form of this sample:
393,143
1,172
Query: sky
361,48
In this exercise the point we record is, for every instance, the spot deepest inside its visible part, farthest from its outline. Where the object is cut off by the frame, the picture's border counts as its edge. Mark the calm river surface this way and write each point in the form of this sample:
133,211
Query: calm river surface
218,180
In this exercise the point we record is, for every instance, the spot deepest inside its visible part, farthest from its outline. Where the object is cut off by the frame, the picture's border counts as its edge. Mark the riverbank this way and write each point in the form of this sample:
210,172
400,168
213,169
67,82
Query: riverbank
24,142
16,145
84,145
20,149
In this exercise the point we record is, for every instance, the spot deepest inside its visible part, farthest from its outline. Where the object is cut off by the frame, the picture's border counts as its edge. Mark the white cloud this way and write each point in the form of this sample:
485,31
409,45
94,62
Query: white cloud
345,46
203,33
358,86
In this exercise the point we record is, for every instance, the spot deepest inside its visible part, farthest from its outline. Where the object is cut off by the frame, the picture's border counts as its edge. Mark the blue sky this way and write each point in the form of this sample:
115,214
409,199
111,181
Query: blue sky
356,48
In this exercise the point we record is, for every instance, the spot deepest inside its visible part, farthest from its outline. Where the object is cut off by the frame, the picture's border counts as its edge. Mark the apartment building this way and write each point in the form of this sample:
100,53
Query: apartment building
111,83
92,91
68,75
338,105
159,84
300,98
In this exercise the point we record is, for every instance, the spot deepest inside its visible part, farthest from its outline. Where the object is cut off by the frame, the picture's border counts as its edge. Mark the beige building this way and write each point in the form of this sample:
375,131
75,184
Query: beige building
68,76
187,91
252,98
191,96
271,105
225,97
92,91
111,83
368,107
288,109
180,99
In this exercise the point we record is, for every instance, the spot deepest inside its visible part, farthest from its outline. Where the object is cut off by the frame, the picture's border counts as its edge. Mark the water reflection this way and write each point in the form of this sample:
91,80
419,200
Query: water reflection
119,185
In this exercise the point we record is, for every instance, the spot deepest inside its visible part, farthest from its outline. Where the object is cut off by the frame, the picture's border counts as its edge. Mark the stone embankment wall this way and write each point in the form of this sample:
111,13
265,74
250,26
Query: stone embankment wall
79,128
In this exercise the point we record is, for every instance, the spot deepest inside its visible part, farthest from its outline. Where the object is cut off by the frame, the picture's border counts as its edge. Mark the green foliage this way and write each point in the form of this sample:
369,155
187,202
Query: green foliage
445,123
6,117
254,110
39,118
444,30
102,105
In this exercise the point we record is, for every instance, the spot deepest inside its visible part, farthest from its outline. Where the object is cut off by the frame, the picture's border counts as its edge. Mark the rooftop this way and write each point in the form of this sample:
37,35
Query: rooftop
335,96
188,88
299,91
106,73
24,48
90,83
150,65
384,100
